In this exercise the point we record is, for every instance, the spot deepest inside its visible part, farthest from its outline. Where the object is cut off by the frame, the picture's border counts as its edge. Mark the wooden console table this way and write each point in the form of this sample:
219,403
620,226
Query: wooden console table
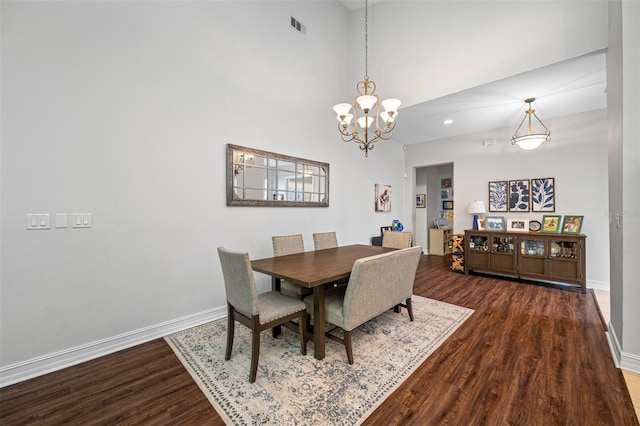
530,255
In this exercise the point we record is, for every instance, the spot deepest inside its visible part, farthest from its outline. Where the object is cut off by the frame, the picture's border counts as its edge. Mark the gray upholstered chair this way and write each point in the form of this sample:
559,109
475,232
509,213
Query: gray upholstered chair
284,245
377,284
325,240
396,239
260,311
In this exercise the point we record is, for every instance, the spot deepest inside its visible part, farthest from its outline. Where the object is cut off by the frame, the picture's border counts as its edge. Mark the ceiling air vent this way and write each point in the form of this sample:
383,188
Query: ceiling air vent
298,26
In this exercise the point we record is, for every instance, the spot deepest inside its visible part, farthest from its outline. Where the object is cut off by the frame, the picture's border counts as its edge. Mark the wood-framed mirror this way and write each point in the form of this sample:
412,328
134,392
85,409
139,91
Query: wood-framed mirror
262,178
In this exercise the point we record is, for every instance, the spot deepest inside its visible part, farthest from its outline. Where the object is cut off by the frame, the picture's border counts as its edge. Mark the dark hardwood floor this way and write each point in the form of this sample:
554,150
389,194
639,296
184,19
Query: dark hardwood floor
529,355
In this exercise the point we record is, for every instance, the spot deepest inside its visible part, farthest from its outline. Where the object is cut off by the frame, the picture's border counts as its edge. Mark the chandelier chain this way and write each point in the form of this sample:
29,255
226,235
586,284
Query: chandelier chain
366,41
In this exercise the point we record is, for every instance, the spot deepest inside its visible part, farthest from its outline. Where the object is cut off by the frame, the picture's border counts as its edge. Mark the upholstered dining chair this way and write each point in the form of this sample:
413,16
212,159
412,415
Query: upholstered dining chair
377,284
396,239
260,311
284,245
325,240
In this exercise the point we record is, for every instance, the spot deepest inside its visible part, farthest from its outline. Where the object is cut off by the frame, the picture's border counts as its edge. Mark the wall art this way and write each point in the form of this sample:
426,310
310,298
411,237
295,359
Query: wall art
498,196
383,198
543,195
519,195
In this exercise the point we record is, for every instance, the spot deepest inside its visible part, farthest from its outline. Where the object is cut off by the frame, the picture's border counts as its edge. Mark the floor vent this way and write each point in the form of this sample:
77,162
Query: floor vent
298,26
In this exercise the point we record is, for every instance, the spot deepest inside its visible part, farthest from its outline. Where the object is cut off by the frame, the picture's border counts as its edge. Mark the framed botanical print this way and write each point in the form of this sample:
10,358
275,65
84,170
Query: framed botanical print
498,196
519,195
543,195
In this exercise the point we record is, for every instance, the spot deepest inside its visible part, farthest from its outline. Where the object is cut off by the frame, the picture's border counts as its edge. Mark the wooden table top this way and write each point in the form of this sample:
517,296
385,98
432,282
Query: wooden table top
314,268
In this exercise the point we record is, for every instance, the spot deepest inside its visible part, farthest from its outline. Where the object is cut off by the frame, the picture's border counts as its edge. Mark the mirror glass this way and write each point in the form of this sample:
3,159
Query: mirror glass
261,178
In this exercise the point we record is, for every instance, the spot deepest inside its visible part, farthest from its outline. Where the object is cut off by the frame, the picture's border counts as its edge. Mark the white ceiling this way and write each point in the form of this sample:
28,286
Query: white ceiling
565,88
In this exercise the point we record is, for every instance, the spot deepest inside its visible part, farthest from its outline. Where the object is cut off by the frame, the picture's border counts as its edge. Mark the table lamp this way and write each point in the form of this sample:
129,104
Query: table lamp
476,207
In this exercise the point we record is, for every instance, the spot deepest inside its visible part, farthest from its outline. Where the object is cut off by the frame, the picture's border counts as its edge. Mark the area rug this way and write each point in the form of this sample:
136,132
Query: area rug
291,389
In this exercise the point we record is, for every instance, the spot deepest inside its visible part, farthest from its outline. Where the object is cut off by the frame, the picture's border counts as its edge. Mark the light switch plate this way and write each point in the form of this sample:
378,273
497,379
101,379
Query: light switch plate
38,221
62,220
81,220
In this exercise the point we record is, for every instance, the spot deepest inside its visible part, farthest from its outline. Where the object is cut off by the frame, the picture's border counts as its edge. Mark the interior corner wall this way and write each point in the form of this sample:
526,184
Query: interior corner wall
623,97
124,110
576,157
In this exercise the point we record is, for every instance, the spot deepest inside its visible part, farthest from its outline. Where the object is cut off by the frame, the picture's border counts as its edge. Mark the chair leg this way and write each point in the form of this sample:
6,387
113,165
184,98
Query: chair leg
230,332
396,309
255,353
347,345
302,325
409,308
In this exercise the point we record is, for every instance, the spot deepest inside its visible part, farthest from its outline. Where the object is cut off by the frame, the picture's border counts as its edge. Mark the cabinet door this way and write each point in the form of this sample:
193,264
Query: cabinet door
477,255
503,258
532,257
565,263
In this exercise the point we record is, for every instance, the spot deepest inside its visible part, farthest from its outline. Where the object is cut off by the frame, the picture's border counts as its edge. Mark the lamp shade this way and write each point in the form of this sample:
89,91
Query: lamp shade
476,207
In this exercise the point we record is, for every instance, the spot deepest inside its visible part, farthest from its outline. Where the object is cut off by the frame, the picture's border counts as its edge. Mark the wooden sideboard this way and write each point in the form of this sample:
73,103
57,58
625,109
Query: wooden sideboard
529,255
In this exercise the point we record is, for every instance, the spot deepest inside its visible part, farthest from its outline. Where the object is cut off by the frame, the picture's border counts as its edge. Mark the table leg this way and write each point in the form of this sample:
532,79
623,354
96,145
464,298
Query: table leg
318,322
275,286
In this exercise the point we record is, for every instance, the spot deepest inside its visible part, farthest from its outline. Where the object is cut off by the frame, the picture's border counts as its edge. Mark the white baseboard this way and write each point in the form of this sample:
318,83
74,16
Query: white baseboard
598,285
35,367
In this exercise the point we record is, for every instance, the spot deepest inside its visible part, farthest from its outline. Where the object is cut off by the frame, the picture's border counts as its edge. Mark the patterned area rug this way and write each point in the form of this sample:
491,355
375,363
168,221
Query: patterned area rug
291,389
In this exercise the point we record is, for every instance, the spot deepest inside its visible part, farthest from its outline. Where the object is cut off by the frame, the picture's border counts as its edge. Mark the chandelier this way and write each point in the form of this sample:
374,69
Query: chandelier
366,109
530,140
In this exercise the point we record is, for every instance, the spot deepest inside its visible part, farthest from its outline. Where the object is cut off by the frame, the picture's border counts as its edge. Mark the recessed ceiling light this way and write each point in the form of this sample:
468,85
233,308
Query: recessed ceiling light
449,121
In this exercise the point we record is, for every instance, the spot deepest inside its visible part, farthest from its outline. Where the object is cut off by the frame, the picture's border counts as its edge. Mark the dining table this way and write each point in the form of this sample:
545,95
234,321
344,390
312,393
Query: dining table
315,269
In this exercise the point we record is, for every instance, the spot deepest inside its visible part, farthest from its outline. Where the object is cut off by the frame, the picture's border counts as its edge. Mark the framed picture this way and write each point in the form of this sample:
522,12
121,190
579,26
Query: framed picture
447,205
385,228
518,225
498,196
494,223
383,198
543,195
519,195
445,183
551,223
480,223
572,224
445,194
420,201
440,223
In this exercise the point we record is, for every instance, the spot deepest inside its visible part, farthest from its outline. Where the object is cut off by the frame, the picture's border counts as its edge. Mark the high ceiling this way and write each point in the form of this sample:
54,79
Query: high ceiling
565,88
570,87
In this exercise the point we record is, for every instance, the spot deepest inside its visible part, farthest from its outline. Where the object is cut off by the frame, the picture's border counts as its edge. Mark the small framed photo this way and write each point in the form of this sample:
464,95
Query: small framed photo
420,201
494,223
551,223
572,224
445,194
445,183
518,225
480,223
447,205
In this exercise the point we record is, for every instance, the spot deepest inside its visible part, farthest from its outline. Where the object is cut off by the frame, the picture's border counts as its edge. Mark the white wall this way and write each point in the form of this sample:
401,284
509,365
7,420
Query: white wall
123,109
576,157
